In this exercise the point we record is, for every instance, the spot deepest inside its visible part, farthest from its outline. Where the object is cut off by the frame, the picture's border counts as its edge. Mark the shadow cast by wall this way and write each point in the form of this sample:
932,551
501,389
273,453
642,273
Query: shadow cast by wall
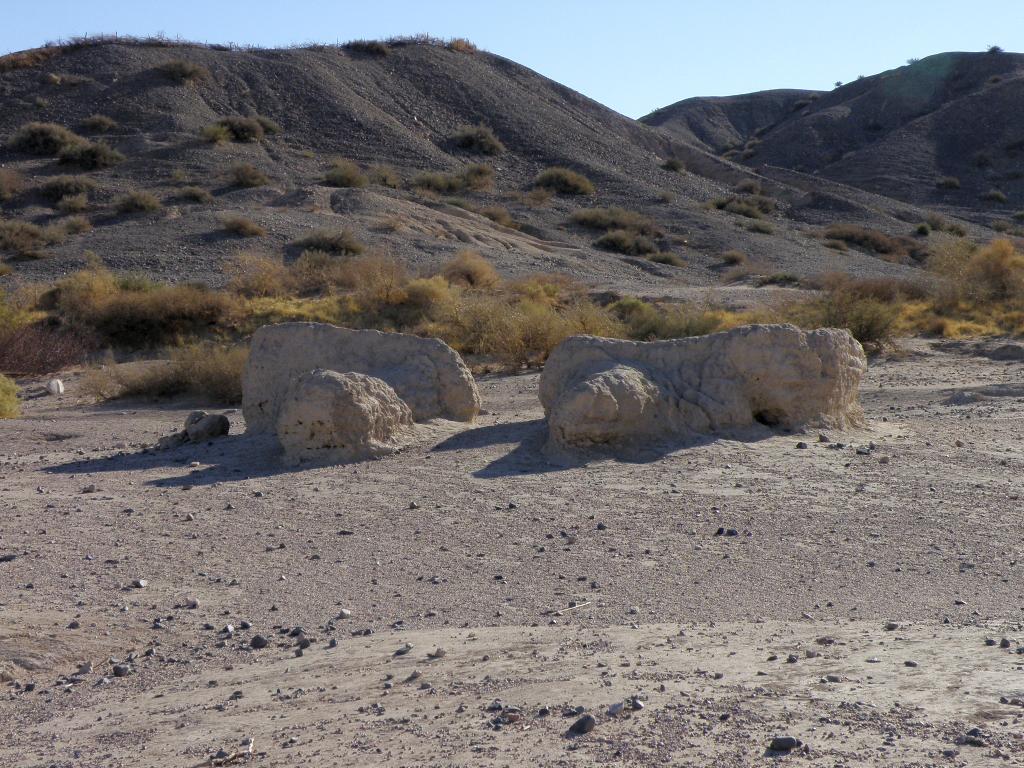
529,457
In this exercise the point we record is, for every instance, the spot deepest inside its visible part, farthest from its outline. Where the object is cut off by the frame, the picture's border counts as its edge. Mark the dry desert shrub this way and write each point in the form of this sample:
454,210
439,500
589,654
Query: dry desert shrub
11,184
751,206
39,348
368,47
384,176
138,314
674,164
734,258
241,226
181,71
28,59
99,123
45,139
564,181
341,242
470,269
26,240
195,195
73,203
9,406
664,257
478,138
59,187
93,156
948,182
626,242
258,275
476,177
234,128
614,218
208,371
460,45
875,241
246,175
138,202
344,173
499,215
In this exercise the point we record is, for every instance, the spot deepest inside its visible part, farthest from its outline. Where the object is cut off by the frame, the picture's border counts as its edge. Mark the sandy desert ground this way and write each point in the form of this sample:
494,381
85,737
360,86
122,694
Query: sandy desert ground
465,603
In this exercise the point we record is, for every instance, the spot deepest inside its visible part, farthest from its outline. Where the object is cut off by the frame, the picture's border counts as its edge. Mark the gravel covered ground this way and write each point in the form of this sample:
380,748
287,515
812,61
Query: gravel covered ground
543,585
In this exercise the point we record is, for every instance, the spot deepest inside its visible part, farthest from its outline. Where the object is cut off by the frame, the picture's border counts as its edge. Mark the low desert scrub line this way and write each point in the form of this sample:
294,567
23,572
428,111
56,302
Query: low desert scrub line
514,323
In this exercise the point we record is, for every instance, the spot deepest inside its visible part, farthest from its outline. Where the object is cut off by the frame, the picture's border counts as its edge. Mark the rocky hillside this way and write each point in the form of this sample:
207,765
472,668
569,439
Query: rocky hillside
182,118
942,132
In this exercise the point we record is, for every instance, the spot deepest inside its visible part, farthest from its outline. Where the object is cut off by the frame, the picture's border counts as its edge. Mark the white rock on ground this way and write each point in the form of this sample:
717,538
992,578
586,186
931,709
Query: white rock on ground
332,417
427,374
625,394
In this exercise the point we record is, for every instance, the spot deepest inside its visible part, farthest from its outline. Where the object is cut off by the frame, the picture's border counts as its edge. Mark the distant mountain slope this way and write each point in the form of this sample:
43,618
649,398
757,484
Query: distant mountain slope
400,105
898,133
725,122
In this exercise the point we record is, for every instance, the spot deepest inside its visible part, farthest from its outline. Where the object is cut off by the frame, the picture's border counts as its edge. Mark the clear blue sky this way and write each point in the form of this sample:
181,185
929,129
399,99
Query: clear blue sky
632,56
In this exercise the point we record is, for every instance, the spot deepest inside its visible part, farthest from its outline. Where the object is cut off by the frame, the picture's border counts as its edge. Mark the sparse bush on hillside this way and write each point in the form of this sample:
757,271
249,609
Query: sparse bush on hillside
270,127
614,218
241,226
75,225
471,269
26,240
344,173
246,175
46,139
99,123
337,241
384,176
73,203
92,156
473,177
234,128
11,184
627,242
748,187
58,187
9,405
674,164
195,195
181,71
478,176
478,138
751,206
370,47
994,196
28,59
138,202
667,258
948,182
760,227
499,215
460,45
734,258
875,241
564,181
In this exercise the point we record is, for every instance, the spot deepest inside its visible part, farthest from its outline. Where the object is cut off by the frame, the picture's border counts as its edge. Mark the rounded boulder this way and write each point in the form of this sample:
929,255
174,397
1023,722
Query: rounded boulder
332,417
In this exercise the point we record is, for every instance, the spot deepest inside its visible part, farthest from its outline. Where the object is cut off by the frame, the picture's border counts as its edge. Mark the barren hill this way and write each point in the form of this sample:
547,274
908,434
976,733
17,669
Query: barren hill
942,132
400,105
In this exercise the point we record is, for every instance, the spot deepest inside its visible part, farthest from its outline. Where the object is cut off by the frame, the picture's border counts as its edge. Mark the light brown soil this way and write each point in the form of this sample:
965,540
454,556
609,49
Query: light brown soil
917,530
